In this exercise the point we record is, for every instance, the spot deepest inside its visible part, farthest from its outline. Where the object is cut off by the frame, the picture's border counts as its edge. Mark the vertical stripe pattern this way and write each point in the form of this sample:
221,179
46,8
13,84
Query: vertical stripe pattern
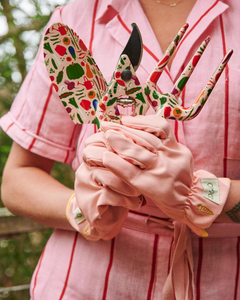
70,143
29,84
226,120
108,269
198,21
69,267
35,279
93,26
154,261
169,256
199,269
237,269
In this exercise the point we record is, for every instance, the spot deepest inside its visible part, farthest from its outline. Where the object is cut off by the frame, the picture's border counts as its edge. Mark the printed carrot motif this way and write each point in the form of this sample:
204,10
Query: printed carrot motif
83,90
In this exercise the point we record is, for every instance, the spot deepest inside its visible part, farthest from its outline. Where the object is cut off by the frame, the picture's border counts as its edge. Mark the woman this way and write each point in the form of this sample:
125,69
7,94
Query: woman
135,264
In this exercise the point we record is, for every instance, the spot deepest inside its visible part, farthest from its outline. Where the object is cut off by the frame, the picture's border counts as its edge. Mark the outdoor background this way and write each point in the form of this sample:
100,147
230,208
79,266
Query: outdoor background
22,24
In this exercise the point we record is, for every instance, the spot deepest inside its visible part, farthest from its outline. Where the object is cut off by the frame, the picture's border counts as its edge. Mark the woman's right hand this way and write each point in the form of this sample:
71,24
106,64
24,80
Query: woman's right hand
102,200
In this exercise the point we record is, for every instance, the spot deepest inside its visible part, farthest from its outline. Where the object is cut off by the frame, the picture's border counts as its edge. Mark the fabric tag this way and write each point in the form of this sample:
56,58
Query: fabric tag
79,216
210,189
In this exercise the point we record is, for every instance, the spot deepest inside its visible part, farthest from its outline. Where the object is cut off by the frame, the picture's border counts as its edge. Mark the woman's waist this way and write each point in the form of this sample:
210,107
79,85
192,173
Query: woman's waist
152,220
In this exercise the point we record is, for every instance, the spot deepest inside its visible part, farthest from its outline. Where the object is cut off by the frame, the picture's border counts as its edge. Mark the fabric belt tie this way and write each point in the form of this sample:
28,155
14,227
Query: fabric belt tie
180,281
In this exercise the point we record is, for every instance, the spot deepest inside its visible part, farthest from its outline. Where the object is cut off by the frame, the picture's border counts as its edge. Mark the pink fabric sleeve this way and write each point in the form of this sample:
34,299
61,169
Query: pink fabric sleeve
37,120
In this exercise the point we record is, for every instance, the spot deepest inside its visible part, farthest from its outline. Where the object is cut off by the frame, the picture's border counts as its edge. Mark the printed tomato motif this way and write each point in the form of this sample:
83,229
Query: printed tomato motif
105,98
177,112
66,40
91,94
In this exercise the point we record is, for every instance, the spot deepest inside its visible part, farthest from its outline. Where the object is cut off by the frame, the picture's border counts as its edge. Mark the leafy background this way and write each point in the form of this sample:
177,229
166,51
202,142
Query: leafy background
22,23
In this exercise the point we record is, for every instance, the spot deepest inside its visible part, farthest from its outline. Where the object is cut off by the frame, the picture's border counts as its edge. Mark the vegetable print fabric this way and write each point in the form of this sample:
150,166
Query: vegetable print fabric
74,73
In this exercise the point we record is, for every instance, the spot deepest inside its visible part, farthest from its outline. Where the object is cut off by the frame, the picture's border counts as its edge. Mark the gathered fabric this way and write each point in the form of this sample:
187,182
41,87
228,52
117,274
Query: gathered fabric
144,153
180,281
179,284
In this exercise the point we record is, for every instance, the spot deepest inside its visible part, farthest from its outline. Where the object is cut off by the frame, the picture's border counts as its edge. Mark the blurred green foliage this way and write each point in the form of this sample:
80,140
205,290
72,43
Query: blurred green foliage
25,22
18,258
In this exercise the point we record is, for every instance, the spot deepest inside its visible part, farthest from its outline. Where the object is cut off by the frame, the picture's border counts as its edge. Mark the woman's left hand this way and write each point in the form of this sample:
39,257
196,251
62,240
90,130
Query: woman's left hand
144,153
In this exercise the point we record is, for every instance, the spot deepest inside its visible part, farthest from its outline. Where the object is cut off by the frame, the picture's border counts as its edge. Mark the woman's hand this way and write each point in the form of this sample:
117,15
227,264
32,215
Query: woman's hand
102,200
145,154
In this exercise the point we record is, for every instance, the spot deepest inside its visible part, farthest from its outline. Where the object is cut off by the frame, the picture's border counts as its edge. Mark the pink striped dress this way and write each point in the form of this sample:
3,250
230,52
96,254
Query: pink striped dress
137,263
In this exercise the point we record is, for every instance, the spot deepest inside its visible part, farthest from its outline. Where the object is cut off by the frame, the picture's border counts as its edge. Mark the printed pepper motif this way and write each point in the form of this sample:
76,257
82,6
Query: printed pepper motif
88,99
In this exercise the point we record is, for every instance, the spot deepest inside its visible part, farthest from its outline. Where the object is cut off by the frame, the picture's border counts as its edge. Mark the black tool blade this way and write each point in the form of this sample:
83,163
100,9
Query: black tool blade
134,47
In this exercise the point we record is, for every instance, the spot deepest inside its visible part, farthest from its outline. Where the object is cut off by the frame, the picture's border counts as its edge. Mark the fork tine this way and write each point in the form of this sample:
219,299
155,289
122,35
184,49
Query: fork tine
197,106
153,78
183,78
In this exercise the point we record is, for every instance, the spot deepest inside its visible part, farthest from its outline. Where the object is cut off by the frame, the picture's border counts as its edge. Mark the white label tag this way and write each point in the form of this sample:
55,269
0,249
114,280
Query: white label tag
79,216
210,189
